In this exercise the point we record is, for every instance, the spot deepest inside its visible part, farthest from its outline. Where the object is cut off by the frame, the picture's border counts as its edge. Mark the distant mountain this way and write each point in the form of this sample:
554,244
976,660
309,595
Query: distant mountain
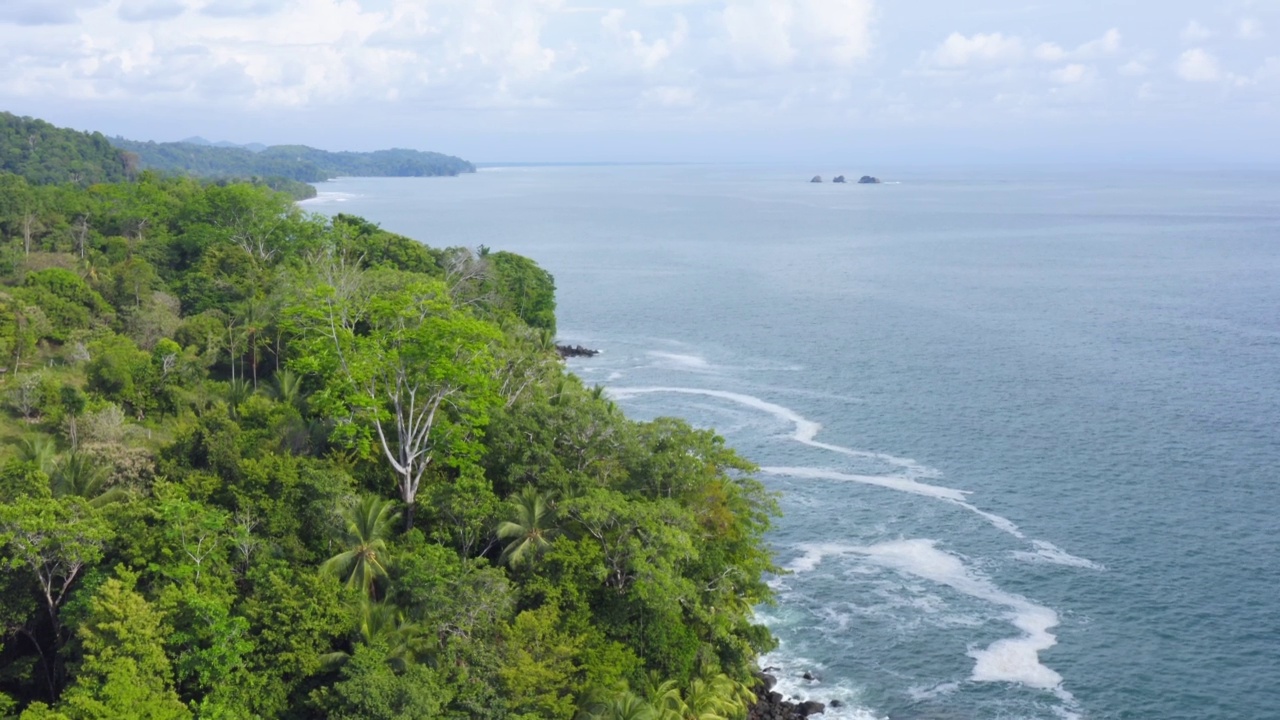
43,153
197,140
197,156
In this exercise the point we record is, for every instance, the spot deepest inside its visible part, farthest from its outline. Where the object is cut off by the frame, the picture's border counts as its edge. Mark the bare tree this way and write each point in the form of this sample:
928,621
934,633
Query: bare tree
81,235
28,230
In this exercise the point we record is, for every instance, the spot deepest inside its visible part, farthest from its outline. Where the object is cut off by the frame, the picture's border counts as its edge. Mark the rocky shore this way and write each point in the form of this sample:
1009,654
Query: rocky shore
568,351
770,705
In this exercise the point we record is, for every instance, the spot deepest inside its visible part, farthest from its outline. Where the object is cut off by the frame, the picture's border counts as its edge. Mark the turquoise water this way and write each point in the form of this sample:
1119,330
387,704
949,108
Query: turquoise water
1025,426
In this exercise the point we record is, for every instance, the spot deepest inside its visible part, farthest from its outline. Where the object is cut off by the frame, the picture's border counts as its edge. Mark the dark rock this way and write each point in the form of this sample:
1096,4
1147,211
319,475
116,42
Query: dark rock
810,676
868,180
816,178
568,351
766,681
811,707
838,178
836,704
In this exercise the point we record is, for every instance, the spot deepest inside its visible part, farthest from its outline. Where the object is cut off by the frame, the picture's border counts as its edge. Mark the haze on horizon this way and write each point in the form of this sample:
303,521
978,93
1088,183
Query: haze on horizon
912,81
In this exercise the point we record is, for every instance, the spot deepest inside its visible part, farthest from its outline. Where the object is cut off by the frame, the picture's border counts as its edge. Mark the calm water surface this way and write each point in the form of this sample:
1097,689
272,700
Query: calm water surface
1025,426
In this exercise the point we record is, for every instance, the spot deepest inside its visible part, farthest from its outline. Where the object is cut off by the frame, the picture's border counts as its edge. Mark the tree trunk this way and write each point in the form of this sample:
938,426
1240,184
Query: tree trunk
408,516
28,221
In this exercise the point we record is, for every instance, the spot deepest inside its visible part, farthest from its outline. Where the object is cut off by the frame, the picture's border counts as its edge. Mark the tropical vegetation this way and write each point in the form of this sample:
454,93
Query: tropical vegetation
256,463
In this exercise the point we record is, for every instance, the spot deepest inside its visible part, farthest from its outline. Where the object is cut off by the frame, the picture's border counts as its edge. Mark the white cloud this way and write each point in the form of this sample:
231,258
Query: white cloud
778,33
669,96
1108,44
1249,29
759,32
1072,74
960,50
1197,65
1195,32
1133,68
1049,52
648,54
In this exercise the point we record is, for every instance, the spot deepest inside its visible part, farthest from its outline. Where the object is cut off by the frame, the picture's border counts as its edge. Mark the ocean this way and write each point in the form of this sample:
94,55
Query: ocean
1024,424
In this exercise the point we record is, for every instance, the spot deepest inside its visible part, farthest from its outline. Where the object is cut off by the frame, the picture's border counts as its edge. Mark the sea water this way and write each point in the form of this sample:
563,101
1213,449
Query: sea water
1024,425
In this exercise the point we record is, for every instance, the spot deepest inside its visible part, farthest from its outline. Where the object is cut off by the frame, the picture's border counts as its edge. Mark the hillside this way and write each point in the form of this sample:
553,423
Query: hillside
295,162
43,153
256,463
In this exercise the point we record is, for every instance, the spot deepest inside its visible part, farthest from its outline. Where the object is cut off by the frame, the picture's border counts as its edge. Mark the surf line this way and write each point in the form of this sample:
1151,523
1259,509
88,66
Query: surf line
805,432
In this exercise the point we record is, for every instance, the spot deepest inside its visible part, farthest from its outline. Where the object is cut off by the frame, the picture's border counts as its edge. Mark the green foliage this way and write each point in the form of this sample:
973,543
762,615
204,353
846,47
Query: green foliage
125,672
46,154
367,525
370,689
222,416
526,289
531,528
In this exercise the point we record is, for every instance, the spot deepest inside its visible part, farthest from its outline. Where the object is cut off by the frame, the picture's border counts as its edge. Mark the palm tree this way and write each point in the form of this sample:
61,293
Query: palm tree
384,623
288,388
238,390
78,475
663,696
625,706
368,524
530,529
713,699
39,450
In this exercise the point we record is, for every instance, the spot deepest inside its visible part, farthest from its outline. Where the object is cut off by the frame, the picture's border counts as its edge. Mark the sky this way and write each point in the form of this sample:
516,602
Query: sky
908,81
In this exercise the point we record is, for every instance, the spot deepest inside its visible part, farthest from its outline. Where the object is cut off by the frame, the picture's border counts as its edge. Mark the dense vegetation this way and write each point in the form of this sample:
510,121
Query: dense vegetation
294,162
43,153
258,463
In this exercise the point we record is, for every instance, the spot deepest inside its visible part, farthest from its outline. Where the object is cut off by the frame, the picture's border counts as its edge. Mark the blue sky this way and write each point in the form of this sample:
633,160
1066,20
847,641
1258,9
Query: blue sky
706,80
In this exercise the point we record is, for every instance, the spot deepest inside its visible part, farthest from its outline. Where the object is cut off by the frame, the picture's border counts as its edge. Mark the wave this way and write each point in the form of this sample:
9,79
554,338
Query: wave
1013,660
806,431
789,669
325,198
680,361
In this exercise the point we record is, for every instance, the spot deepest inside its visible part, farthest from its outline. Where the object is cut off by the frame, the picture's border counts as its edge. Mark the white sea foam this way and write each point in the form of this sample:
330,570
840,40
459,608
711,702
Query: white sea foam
1015,660
680,360
1050,553
805,431
615,375
789,669
326,198
892,482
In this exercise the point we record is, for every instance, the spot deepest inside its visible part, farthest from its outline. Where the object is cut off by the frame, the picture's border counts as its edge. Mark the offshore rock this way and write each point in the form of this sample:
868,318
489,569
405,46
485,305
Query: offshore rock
816,178
838,178
568,351
868,180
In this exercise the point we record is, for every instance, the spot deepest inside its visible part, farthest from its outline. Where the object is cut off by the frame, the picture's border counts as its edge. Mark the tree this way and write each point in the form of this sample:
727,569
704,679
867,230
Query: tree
407,360
53,539
40,451
383,625
370,689
79,475
367,526
624,706
531,528
125,672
